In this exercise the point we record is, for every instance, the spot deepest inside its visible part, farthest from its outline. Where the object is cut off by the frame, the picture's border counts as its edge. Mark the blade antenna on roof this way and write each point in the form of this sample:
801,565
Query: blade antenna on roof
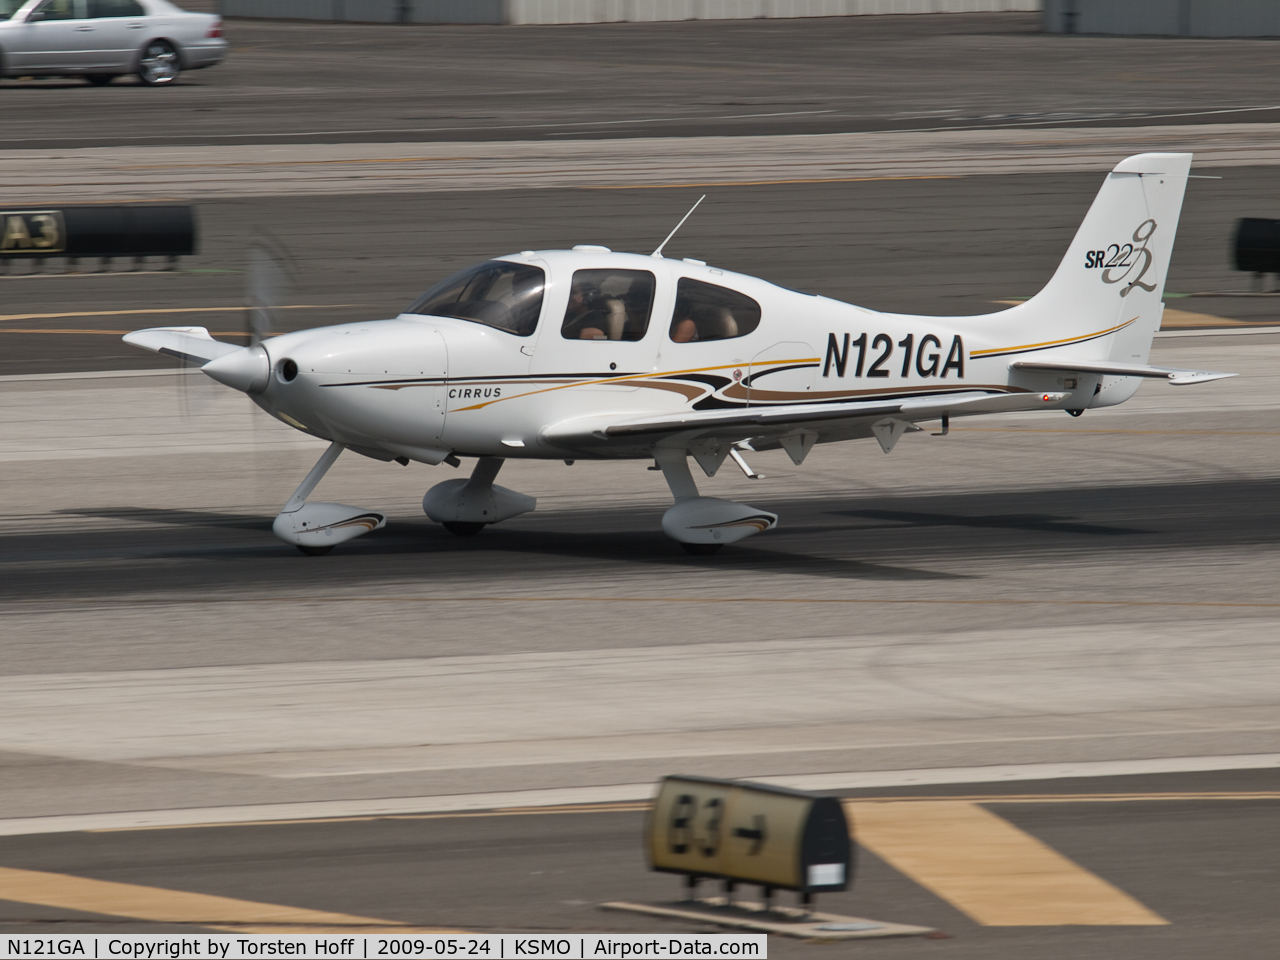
658,252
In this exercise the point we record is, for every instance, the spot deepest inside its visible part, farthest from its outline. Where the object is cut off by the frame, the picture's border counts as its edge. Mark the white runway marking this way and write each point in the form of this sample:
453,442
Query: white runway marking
616,793
204,172
1122,690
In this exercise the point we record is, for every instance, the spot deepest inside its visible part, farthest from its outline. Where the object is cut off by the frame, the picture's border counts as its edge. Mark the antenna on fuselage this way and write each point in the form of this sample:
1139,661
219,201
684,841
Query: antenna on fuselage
658,252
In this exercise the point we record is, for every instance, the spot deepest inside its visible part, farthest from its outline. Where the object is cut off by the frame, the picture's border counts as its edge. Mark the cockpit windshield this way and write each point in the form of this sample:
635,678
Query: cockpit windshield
499,294
9,7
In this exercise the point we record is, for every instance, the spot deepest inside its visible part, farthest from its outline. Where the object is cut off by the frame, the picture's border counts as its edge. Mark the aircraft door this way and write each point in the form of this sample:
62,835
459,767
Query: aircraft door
597,329
782,373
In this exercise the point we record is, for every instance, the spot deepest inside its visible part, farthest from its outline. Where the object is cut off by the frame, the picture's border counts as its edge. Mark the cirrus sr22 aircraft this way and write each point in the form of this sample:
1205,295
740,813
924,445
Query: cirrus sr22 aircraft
586,353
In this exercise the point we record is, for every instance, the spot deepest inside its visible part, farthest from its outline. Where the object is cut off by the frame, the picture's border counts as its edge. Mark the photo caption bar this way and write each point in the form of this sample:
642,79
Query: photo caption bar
506,946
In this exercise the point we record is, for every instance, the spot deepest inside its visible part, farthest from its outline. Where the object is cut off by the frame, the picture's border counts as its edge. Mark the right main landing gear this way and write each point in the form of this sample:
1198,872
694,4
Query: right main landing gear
465,507
463,528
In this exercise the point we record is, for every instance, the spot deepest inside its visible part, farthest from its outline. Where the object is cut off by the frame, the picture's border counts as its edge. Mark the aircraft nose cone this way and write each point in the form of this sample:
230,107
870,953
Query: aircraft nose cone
247,369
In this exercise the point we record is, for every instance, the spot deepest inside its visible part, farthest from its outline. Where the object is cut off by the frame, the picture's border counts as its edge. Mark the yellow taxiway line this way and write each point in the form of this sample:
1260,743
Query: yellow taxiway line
157,905
762,183
986,867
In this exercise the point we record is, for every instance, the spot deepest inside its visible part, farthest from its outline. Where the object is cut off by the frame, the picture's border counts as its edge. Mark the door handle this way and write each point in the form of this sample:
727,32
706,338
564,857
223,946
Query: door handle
136,26
84,29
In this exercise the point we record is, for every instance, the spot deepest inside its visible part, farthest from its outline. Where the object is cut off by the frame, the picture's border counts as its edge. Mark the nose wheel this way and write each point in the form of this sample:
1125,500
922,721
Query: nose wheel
313,551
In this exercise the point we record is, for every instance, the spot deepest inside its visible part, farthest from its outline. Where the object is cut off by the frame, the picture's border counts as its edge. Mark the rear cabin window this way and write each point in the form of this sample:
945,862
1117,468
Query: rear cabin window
608,305
705,311
507,296
9,7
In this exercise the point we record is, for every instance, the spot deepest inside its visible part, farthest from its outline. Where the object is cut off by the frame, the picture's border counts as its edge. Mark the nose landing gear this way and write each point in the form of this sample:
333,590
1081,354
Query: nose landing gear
316,528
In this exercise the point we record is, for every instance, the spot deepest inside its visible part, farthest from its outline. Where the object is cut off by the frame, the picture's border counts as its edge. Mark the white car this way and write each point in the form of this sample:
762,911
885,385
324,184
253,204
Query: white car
103,39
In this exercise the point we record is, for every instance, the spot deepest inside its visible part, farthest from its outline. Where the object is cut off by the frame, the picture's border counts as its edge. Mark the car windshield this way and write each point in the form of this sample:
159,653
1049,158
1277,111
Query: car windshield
9,7
499,294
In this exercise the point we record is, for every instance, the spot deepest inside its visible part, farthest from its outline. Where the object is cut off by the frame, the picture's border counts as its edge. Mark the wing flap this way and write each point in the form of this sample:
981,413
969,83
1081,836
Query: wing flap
753,421
190,344
1175,375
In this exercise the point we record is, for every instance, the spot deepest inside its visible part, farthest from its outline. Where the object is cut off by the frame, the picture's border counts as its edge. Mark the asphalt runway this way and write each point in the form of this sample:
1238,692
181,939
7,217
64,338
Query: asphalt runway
1193,850
1028,597
931,246
1025,590
326,83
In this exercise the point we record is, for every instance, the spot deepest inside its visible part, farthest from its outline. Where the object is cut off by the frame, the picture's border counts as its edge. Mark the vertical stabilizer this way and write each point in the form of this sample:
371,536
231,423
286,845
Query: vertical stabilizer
1104,300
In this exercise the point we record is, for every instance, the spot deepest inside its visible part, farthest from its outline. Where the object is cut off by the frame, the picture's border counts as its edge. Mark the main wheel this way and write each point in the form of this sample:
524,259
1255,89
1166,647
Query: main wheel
314,551
701,549
463,528
158,63
100,79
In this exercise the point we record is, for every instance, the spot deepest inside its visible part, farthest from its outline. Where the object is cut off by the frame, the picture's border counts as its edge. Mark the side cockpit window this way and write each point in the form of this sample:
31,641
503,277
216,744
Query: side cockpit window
705,311
499,294
608,305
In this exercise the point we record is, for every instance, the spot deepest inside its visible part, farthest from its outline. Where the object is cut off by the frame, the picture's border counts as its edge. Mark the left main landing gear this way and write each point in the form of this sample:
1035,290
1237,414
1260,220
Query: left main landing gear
701,549
703,525
316,528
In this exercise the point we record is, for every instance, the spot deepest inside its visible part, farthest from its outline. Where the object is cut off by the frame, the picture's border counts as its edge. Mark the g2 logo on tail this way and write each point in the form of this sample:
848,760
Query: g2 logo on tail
1126,256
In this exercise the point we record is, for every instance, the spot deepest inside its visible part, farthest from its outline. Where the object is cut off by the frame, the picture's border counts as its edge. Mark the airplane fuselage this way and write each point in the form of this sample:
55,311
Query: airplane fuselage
424,386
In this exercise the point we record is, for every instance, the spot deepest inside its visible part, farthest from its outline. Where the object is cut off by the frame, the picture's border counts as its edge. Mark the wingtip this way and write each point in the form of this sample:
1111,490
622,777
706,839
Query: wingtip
139,337
1198,376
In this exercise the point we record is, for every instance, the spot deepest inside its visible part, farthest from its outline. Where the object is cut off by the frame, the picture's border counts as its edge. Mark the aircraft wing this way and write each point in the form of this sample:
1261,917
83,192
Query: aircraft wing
1175,375
772,421
192,344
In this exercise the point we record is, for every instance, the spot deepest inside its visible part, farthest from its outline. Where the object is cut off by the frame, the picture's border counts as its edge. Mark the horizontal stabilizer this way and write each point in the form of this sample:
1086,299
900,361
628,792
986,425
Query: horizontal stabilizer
190,344
1175,375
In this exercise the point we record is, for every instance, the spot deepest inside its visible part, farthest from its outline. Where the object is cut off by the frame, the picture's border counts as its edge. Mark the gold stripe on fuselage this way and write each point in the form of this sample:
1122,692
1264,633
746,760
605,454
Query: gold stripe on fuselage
630,378
1051,343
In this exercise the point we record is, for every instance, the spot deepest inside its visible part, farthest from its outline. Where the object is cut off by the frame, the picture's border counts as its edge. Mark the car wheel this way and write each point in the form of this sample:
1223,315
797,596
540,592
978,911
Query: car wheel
100,79
158,64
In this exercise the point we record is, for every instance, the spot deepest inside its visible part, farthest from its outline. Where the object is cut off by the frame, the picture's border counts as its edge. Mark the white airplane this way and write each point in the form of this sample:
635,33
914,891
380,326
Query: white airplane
590,354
